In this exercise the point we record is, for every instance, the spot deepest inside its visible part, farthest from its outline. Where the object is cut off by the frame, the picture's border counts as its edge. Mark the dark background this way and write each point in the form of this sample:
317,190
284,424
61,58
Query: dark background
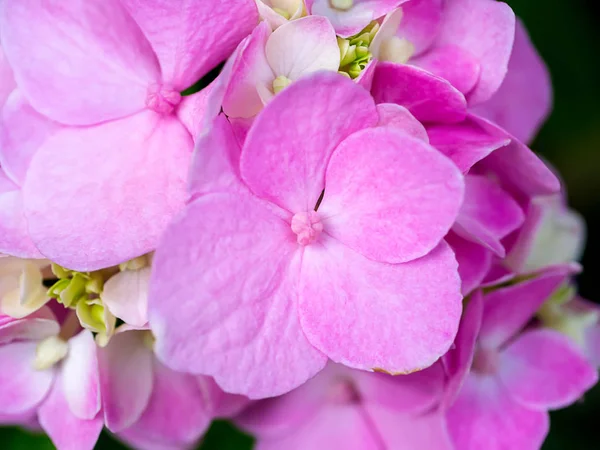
567,34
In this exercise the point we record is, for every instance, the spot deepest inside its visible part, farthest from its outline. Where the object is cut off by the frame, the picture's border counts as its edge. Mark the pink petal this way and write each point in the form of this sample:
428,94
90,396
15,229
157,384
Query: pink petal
98,66
22,131
126,296
420,23
126,378
250,68
80,378
14,234
37,326
193,111
543,370
67,431
191,37
396,116
176,413
128,198
219,402
21,386
364,313
303,46
489,38
474,261
215,164
7,81
236,315
287,150
452,63
508,309
488,214
485,417
389,196
428,97
524,99
466,142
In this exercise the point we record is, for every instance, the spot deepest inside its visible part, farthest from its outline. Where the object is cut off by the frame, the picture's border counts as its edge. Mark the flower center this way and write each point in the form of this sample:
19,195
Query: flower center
162,98
280,83
307,226
354,51
342,5
486,361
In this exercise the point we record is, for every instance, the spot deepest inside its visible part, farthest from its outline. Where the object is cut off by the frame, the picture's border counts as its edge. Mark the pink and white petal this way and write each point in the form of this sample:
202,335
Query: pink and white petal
474,261
219,402
126,378
396,116
508,309
465,143
451,63
377,322
126,296
389,196
524,99
287,150
334,426
7,80
176,413
489,38
421,23
428,97
303,46
14,234
191,37
269,15
66,430
485,416
22,131
21,386
99,64
517,166
410,431
235,316
488,213
193,111
129,197
459,358
216,159
544,369
80,378
39,325
250,69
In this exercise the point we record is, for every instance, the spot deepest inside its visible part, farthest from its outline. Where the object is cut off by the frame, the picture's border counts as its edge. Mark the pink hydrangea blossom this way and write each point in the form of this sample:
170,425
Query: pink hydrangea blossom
263,276
115,90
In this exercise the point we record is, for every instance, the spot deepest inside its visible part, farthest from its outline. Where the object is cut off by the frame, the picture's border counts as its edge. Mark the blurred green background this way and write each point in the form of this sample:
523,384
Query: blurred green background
567,34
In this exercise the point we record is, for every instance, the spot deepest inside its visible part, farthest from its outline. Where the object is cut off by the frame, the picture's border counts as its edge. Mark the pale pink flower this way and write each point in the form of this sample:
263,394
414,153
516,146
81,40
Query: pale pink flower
279,12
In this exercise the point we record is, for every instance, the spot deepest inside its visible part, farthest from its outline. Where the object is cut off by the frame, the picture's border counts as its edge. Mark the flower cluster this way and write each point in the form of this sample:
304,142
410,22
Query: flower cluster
341,240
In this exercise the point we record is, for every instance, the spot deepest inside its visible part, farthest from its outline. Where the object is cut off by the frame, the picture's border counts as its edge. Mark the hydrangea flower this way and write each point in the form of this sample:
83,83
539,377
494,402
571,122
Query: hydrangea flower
314,242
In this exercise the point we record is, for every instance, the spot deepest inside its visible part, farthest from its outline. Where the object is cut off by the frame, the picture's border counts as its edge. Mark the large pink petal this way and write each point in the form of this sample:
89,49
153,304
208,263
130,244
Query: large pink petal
80,378
7,80
428,97
489,38
14,234
35,327
191,37
544,369
22,132
420,23
176,414
474,261
466,142
364,314
303,46
396,116
21,386
126,296
488,214
485,417
524,99
288,148
126,377
219,402
389,196
250,69
96,66
67,431
126,178
230,265
508,309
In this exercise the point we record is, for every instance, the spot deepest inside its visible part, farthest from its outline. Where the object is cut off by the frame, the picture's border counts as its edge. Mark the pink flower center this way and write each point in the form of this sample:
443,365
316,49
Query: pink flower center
162,98
486,361
343,392
308,226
